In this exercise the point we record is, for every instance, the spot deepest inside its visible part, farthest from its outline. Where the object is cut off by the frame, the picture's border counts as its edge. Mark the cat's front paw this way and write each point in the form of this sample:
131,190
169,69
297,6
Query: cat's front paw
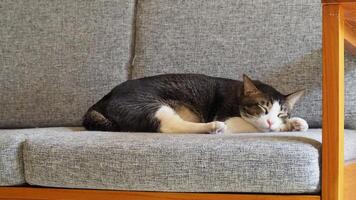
218,127
298,124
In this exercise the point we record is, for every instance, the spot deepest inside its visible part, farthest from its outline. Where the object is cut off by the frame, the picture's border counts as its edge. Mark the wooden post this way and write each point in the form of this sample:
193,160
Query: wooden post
333,103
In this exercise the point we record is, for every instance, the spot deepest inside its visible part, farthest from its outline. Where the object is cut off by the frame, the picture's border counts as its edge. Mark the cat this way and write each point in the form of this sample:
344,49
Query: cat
194,103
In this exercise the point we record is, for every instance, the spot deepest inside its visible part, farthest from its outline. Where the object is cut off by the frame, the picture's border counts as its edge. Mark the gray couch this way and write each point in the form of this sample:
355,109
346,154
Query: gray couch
59,57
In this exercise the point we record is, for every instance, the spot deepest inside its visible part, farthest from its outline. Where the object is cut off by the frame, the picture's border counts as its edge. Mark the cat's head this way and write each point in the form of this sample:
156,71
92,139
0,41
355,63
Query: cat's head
264,107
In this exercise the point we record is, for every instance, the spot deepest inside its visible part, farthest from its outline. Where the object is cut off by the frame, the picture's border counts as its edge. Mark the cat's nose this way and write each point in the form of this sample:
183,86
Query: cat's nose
269,122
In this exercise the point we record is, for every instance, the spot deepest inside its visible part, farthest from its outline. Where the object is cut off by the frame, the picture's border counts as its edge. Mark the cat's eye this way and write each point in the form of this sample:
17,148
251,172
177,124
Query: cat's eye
282,115
265,110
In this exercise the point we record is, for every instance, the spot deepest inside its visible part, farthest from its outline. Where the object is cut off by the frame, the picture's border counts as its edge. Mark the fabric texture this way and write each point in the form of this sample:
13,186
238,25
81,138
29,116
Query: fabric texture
278,43
11,160
254,163
11,166
60,57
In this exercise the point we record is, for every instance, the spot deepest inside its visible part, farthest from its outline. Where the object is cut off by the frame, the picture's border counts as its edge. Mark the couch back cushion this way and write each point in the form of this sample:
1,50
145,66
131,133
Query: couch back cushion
277,42
59,57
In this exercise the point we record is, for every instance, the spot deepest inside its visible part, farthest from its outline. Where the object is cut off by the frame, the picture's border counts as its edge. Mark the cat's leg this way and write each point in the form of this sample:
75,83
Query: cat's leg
239,125
171,122
295,124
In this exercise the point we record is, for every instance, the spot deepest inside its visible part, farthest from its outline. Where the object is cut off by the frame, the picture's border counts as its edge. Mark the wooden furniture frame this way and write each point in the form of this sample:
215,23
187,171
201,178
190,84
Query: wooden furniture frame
339,23
338,178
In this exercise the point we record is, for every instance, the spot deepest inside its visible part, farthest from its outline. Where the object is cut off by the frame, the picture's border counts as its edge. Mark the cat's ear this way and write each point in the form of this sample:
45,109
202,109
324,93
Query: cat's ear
249,87
292,98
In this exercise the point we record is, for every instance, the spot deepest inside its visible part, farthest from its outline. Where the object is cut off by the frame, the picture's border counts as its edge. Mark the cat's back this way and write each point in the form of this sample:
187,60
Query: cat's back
168,84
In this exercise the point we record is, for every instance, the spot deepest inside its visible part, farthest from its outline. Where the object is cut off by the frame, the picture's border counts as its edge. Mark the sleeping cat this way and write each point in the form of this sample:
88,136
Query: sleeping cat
194,103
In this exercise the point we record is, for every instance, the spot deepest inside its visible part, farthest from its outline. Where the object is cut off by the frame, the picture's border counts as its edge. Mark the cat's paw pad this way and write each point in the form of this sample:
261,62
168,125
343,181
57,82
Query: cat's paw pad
298,124
218,127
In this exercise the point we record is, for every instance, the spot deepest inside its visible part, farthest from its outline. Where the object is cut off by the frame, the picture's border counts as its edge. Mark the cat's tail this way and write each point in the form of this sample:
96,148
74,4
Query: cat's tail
95,121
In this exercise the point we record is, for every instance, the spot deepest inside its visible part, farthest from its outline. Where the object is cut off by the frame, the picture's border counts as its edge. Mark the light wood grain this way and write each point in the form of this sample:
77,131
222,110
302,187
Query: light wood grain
333,103
350,11
350,181
72,194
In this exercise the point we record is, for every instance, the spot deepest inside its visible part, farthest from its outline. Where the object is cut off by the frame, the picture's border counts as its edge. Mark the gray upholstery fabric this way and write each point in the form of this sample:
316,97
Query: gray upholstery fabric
11,166
59,57
11,162
261,163
277,42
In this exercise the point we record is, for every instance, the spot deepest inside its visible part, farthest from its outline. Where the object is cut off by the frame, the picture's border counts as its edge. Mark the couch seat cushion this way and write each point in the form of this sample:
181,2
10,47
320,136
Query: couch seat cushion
11,160
255,163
